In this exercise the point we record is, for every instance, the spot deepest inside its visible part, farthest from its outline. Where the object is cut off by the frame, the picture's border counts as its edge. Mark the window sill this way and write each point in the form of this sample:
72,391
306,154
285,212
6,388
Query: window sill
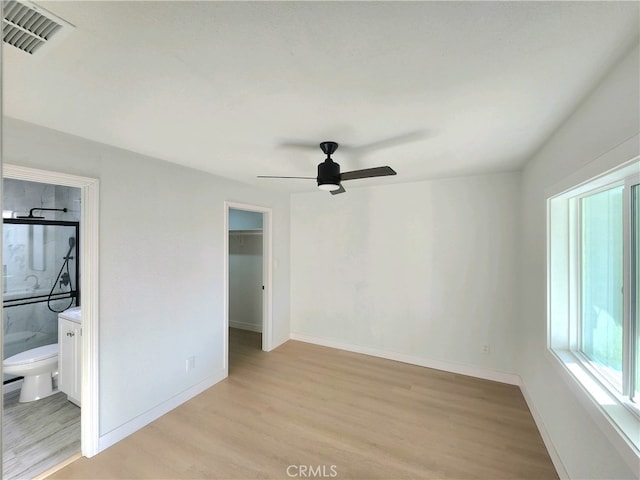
620,424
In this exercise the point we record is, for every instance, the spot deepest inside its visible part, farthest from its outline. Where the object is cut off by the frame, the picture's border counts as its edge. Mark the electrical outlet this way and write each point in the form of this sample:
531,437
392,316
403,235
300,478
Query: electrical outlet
486,349
191,363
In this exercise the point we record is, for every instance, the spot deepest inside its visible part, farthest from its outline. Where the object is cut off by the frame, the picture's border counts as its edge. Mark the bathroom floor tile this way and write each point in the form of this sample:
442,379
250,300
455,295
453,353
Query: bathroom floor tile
38,435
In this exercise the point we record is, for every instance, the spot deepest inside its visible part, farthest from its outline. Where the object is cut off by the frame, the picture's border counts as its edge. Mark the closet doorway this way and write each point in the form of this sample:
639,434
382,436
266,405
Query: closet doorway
247,278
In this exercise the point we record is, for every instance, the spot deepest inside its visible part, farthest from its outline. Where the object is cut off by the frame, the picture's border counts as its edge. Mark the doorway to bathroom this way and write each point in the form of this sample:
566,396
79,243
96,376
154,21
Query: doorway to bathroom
40,270
47,218
247,279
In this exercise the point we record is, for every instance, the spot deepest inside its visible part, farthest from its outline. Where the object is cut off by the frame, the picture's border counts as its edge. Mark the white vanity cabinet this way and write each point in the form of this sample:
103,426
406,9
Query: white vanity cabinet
70,354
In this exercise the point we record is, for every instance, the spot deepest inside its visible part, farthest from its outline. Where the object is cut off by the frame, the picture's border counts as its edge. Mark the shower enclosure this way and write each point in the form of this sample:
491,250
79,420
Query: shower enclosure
41,278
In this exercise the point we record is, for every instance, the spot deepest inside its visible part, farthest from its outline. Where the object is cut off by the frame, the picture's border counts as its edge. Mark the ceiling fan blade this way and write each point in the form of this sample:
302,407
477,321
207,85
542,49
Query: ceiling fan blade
277,176
367,173
412,136
299,144
340,190
390,142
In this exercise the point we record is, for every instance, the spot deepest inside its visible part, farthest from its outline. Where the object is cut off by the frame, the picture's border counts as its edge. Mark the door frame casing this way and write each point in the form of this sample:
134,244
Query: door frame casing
89,275
267,275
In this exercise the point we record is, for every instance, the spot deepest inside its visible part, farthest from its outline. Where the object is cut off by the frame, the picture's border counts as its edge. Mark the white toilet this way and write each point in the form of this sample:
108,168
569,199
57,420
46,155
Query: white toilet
38,367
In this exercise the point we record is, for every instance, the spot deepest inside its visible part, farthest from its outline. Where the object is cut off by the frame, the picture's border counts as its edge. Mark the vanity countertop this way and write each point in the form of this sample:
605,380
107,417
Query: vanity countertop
73,314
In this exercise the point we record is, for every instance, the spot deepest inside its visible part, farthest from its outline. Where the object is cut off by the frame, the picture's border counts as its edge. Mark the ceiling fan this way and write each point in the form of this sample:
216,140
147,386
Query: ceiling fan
329,177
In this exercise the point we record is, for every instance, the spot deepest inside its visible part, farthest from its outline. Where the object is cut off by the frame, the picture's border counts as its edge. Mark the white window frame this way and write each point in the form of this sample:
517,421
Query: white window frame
615,413
617,388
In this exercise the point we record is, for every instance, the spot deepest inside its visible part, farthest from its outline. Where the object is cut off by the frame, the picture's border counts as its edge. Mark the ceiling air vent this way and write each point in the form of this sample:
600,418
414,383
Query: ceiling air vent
31,28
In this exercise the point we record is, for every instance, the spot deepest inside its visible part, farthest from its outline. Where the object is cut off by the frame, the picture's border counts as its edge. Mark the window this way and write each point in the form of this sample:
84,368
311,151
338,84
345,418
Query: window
594,291
601,285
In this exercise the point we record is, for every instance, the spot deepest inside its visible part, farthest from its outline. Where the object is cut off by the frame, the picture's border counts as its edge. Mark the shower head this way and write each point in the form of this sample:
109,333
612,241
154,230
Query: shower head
72,244
42,210
29,216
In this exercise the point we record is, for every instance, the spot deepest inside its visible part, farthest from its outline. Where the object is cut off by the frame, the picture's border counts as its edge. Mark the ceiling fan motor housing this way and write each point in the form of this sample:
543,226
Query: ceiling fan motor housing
328,173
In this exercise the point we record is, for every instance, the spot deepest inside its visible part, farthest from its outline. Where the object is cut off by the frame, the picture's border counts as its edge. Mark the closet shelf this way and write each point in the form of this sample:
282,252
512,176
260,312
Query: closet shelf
245,232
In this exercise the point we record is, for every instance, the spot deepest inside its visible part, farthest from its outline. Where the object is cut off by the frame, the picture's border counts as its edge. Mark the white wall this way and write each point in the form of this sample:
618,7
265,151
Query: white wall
161,265
424,270
608,117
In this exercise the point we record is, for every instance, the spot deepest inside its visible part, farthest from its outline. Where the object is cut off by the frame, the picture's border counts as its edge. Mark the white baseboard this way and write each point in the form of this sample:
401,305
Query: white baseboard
114,436
503,377
245,326
546,438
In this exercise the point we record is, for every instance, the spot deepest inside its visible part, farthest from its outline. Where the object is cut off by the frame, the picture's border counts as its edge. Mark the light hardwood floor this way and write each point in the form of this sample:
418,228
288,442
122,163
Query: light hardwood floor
345,415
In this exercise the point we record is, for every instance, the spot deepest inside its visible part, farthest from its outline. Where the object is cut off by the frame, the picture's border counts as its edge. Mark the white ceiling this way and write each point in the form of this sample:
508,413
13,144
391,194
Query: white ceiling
447,88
